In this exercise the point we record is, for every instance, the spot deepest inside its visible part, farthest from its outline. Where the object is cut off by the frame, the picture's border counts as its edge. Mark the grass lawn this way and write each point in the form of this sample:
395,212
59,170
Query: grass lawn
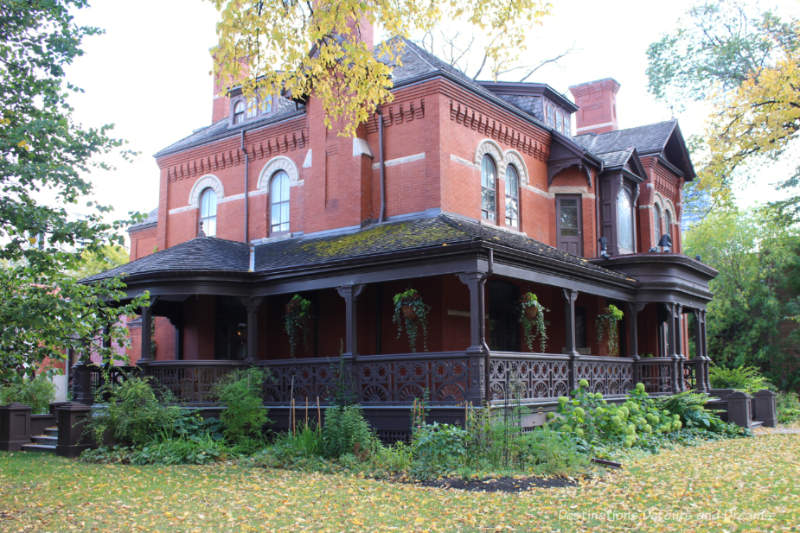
737,485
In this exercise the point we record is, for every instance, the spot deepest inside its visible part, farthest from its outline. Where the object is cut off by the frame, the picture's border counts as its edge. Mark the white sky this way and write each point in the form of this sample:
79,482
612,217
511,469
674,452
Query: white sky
149,75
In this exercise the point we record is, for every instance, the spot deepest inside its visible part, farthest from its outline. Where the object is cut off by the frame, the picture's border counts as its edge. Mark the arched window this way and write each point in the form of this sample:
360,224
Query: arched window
512,196
208,212
668,224
488,188
252,108
624,221
657,223
238,111
279,202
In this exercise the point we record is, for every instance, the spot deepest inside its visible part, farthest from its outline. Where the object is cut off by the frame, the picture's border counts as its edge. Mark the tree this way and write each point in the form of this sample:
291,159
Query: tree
752,319
96,261
298,47
746,65
43,311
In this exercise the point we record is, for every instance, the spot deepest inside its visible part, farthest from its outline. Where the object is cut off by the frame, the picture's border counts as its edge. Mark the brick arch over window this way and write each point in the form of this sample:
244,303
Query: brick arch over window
512,157
204,182
488,146
275,164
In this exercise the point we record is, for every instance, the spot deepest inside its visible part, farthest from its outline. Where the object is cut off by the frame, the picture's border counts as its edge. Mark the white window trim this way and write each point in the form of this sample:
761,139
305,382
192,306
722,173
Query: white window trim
274,165
202,183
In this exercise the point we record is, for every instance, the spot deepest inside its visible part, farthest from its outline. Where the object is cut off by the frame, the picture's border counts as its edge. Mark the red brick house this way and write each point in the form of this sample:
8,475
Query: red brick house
472,193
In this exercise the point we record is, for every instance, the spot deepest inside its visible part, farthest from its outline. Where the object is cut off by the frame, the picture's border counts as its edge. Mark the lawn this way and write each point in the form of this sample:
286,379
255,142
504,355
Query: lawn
734,485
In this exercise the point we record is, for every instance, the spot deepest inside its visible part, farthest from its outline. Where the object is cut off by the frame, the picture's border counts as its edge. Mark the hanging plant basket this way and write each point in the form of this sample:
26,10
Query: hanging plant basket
411,315
297,322
608,327
532,319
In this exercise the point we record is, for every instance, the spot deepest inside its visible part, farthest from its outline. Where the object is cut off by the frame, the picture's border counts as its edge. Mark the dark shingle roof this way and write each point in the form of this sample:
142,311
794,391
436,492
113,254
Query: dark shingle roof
616,159
212,255
648,139
203,254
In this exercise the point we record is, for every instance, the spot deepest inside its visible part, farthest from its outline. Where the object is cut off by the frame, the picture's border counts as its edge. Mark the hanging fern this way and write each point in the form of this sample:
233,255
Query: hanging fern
411,314
532,319
608,324
298,314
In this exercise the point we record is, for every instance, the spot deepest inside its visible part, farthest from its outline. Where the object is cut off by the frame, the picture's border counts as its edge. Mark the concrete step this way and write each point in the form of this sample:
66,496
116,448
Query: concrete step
45,439
49,448
51,431
756,424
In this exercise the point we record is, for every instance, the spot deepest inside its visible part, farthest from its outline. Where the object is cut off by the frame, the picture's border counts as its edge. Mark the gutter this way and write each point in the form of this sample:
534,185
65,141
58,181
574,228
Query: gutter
246,191
382,215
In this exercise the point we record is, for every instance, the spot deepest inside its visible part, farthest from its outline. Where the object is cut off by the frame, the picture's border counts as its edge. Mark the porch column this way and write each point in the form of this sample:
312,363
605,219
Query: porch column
633,329
700,361
476,283
673,338
350,293
570,295
146,354
704,344
252,305
478,388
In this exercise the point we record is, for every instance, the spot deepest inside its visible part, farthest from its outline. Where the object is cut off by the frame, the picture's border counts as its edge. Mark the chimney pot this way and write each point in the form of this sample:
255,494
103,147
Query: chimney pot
597,102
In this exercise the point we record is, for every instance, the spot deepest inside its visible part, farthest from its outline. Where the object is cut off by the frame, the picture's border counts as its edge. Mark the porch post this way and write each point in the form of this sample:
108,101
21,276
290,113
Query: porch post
350,294
673,337
570,295
633,329
700,362
146,354
479,388
253,305
704,344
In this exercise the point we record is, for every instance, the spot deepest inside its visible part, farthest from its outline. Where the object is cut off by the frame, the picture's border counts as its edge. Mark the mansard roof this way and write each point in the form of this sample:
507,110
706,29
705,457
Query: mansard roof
423,233
662,139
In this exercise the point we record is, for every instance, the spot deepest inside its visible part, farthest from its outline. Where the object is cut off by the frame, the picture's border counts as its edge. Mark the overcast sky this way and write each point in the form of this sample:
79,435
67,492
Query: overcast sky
149,74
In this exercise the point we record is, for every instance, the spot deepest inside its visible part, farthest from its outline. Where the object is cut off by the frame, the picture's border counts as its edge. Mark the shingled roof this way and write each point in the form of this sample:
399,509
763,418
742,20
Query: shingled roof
648,139
210,255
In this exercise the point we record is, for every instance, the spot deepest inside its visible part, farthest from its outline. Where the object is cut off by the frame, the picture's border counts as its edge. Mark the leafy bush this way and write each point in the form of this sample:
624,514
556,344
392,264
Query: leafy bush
438,449
546,452
690,407
36,393
788,407
744,378
133,416
196,451
599,424
244,416
346,431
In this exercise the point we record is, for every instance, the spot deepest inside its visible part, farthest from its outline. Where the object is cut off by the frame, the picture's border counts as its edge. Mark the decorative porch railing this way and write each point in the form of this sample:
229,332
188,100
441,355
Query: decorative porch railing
656,373
85,380
190,381
447,378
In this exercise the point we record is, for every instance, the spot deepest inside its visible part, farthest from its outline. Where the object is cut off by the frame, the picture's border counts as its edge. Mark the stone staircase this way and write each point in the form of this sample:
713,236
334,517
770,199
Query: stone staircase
43,443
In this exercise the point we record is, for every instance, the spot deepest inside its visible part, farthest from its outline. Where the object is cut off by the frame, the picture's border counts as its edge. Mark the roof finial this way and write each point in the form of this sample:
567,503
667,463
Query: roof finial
201,233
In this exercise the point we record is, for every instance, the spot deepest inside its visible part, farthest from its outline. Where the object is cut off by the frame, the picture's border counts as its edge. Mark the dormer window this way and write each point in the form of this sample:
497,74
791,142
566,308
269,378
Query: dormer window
239,109
252,108
265,105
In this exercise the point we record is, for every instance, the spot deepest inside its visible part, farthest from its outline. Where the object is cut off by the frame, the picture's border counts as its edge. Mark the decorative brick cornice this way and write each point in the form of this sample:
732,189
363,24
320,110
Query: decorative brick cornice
398,112
260,144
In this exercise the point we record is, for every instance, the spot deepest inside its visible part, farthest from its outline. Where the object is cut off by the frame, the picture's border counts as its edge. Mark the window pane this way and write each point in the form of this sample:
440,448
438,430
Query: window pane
266,104
657,223
512,182
210,226
208,203
488,204
488,172
488,186
279,202
568,217
624,221
512,212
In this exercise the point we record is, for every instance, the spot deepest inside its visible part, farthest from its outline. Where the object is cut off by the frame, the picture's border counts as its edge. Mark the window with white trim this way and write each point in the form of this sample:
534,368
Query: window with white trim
279,203
625,240
512,197
208,212
488,189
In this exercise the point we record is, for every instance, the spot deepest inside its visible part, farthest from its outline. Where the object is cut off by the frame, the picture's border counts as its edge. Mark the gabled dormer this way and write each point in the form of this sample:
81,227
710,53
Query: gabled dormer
539,99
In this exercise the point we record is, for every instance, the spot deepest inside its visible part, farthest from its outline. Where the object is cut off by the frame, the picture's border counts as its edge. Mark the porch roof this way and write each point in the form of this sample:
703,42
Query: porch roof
425,233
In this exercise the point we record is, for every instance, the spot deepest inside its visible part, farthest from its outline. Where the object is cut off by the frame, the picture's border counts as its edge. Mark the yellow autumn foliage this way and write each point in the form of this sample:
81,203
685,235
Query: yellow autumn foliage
300,48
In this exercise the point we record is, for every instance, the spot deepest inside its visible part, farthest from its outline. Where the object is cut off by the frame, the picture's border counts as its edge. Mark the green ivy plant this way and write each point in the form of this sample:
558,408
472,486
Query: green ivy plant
608,325
411,314
531,317
298,315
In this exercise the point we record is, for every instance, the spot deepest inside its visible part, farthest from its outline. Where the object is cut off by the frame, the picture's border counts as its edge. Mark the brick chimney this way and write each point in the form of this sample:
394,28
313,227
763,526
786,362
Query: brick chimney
597,102
221,104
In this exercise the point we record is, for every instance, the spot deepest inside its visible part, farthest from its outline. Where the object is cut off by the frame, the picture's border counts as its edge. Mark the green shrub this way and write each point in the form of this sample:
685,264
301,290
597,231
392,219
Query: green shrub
690,407
196,451
546,452
346,431
133,415
36,393
244,416
788,407
744,378
438,449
